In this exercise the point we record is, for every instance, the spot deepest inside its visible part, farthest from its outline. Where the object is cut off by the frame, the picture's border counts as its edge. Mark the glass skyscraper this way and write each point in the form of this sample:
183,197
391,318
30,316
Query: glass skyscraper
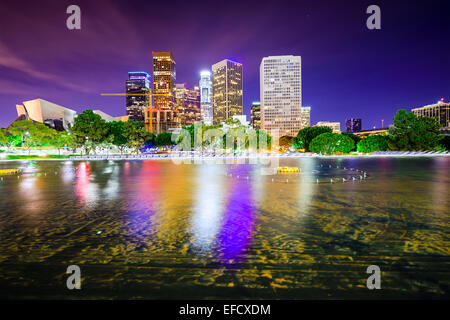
137,83
255,115
227,90
187,102
353,125
164,76
205,85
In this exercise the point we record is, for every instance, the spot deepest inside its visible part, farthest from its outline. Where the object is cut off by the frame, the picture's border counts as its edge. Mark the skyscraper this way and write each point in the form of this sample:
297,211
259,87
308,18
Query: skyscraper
205,85
164,76
305,116
137,83
281,95
163,116
227,90
187,102
353,125
255,115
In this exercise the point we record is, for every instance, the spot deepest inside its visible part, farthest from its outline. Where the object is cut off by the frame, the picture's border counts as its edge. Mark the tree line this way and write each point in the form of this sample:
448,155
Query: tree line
88,132
409,133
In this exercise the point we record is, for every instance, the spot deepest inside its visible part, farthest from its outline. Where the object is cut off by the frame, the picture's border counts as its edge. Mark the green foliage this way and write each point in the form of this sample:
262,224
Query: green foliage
286,142
116,129
331,143
32,133
372,143
135,134
306,135
89,130
263,136
60,140
356,139
445,142
412,133
3,137
164,139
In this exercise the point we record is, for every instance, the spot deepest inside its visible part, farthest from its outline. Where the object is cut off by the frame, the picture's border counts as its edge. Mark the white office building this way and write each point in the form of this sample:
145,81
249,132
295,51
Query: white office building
281,95
335,126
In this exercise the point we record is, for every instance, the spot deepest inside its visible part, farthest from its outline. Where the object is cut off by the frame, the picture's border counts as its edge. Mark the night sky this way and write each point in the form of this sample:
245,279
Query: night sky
347,70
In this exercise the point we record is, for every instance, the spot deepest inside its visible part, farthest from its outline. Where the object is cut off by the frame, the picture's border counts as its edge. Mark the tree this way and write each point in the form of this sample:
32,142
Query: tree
89,130
286,142
116,129
262,135
135,134
306,135
445,142
164,139
32,133
356,139
3,137
372,143
60,139
330,143
412,133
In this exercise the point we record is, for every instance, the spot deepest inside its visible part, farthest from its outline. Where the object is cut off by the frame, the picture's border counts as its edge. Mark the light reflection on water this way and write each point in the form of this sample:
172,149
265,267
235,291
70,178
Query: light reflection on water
160,215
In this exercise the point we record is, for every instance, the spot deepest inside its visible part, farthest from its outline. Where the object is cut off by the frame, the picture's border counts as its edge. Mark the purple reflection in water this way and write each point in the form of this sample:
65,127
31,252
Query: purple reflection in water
238,222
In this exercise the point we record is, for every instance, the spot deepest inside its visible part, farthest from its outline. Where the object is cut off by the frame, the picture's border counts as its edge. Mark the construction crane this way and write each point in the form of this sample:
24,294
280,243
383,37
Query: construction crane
140,94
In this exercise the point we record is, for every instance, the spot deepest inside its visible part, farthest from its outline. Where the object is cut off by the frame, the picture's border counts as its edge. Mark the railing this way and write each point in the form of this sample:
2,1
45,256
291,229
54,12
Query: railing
212,156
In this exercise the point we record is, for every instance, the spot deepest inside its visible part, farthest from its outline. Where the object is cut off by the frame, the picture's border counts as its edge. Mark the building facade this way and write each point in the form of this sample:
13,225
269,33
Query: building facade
440,111
281,95
205,85
305,117
255,115
164,75
353,125
138,83
163,115
227,90
187,102
335,126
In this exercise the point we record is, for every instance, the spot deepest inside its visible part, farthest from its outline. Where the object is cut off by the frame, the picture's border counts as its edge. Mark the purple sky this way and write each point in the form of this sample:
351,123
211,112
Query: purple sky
347,70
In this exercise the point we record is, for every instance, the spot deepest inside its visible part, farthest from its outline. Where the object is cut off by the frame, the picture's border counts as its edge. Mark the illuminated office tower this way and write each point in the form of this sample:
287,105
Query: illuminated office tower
163,113
281,95
138,83
255,115
164,76
187,102
227,90
305,117
205,85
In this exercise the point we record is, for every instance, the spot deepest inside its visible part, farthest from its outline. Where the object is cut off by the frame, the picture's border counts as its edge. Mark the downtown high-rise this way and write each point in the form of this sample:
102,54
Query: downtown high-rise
187,103
163,115
205,85
281,95
138,83
255,115
353,125
227,90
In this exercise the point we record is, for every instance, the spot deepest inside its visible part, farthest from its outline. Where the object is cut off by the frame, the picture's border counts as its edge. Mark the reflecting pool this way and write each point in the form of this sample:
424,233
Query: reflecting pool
155,229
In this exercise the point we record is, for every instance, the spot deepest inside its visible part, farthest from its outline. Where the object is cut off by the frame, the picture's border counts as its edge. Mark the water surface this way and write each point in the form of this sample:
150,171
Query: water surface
154,229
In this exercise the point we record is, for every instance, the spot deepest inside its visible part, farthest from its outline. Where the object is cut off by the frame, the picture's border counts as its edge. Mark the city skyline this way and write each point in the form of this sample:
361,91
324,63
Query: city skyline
348,71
